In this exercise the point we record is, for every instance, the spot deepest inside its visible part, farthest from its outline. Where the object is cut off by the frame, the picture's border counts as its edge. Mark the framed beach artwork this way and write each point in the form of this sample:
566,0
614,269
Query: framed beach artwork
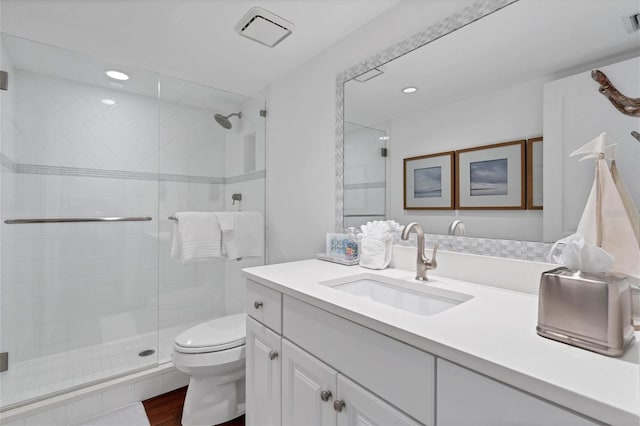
491,177
534,173
429,182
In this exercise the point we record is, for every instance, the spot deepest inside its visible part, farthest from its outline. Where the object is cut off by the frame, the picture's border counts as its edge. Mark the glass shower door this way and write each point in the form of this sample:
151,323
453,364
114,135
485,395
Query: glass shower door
202,164
78,298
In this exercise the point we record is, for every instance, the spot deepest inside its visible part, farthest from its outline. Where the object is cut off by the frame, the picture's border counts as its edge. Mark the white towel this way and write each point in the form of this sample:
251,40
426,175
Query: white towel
246,237
375,253
226,221
196,236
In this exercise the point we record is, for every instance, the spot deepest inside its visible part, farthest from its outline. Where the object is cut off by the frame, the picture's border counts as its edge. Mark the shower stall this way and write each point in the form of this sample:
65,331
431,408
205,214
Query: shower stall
92,169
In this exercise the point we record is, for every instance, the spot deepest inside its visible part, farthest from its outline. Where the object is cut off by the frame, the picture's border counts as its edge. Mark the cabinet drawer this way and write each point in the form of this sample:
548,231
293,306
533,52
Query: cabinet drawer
397,373
265,305
468,398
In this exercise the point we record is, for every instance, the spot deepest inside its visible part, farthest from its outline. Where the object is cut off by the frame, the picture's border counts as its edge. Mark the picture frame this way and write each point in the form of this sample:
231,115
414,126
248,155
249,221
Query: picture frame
534,174
429,182
492,177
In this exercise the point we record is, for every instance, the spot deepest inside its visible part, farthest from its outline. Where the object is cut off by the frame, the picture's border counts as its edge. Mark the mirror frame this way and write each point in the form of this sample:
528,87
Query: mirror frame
459,19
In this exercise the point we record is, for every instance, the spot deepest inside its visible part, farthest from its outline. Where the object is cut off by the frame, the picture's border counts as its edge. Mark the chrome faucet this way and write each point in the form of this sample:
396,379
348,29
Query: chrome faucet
456,225
423,264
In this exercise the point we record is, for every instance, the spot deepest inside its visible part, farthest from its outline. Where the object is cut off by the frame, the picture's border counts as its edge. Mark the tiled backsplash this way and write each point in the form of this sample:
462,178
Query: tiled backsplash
513,249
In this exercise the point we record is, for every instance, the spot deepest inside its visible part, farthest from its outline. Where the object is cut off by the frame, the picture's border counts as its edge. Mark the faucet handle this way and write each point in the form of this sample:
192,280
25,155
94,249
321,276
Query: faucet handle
433,263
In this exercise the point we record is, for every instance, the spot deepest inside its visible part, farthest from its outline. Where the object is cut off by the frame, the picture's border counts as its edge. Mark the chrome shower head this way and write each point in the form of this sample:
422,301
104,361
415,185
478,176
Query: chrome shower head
223,120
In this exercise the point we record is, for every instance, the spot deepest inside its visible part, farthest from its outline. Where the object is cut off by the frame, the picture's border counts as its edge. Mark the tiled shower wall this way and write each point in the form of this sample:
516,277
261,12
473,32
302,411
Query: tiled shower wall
66,286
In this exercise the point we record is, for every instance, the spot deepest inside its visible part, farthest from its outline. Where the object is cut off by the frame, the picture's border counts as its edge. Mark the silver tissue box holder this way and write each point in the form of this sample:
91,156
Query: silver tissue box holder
587,310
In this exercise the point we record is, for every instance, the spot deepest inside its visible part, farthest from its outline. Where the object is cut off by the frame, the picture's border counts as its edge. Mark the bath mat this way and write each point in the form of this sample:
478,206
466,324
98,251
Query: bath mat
132,415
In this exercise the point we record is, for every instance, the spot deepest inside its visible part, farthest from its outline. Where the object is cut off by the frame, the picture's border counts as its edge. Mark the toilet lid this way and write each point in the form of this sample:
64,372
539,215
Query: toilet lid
215,335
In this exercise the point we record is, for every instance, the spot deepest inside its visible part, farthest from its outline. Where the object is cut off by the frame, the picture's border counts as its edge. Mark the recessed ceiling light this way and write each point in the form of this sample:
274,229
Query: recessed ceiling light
384,138
109,102
117,75
409,90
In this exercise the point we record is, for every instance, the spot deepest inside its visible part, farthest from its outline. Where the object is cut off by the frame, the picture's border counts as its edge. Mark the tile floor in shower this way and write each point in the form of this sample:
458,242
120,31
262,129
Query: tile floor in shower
46,375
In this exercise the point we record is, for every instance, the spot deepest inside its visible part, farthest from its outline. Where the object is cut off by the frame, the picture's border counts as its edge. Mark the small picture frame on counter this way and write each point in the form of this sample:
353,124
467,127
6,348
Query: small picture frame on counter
336,249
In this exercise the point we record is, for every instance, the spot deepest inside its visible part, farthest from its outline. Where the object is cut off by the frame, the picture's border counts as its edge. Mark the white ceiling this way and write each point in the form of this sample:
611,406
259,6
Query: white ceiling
528,40
190,39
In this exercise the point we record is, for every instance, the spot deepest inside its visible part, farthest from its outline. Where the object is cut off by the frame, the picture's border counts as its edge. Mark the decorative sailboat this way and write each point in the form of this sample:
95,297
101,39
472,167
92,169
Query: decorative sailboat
610,219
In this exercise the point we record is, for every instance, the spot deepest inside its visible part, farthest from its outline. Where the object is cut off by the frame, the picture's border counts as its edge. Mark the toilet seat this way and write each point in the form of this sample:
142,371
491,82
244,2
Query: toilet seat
212,336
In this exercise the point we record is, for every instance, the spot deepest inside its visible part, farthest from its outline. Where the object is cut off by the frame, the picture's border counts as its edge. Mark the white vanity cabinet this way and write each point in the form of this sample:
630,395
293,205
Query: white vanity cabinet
308,388
315,394
364,408
308,366
468,398
264,376
263,359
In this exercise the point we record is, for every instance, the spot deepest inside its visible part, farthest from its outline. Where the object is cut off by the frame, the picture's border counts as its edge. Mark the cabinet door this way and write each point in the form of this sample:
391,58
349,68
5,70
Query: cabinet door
263,375
308,389
361,407
468,398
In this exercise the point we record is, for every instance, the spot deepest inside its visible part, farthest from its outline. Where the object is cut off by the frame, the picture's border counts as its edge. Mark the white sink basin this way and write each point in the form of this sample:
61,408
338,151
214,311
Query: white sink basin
416,297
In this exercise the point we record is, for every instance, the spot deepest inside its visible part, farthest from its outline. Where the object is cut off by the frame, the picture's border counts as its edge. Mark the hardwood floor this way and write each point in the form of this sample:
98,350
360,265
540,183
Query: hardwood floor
166,409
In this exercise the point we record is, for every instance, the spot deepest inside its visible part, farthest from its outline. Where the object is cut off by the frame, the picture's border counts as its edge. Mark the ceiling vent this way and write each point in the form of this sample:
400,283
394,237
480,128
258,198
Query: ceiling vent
264,27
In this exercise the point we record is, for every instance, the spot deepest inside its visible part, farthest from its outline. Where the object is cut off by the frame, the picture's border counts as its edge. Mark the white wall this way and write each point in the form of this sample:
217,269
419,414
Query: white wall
301,130
510,114
575,113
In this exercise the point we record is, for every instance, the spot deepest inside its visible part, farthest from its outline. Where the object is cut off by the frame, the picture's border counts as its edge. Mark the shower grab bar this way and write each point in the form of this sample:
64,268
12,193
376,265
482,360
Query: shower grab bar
80,219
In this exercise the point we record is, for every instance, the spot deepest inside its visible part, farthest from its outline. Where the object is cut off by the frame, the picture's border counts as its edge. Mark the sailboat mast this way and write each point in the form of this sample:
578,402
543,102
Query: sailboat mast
599,201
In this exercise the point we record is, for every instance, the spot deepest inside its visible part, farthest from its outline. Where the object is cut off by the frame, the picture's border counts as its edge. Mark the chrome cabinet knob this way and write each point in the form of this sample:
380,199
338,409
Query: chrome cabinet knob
257,305
325,395
338,405
273,355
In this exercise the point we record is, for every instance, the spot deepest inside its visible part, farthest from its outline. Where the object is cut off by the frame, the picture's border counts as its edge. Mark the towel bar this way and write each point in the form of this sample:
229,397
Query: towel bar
79,219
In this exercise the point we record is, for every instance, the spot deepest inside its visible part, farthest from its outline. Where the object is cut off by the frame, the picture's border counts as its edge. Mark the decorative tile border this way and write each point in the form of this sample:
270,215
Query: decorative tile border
513,249
259,174
6,162
121,174
366,185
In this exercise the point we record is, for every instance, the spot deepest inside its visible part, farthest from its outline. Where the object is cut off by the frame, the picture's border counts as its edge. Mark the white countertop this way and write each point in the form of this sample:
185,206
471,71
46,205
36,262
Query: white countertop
493,333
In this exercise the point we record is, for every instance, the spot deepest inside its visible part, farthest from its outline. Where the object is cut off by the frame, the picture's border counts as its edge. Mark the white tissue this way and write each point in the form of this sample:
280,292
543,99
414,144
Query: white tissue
578,255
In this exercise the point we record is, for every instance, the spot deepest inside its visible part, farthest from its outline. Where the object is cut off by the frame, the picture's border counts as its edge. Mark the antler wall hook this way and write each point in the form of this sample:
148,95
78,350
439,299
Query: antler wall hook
624,104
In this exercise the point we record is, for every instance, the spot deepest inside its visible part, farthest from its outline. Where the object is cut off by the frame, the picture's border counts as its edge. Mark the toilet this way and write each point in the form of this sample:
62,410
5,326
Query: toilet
213,354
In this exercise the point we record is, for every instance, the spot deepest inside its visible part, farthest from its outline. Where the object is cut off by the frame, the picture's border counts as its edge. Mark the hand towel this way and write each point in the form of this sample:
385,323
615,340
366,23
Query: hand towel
226,221
246,239
375,253
196,236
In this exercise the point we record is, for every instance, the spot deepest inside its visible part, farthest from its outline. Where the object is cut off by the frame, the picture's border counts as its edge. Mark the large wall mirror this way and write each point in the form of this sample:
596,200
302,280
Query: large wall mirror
494,72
